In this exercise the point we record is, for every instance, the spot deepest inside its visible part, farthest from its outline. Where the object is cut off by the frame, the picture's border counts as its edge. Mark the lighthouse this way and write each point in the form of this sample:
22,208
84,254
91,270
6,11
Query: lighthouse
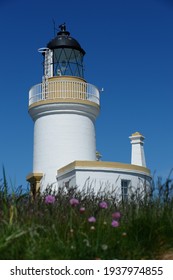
63,108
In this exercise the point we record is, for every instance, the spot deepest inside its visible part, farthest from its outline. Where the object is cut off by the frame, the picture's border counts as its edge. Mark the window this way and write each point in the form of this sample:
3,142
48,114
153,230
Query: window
124,188
68,62
67,184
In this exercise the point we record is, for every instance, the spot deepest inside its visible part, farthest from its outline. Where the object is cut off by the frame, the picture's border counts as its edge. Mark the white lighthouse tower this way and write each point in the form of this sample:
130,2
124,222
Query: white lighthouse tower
64,108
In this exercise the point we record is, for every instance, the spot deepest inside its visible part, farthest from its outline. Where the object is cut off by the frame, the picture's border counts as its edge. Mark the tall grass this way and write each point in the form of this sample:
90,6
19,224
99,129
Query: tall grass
55,227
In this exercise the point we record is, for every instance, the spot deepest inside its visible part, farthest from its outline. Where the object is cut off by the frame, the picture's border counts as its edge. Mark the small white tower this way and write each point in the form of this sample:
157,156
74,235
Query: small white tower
137,153
64,108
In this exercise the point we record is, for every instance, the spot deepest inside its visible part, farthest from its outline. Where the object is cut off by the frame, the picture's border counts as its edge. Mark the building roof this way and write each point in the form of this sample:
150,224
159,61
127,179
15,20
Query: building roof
64,40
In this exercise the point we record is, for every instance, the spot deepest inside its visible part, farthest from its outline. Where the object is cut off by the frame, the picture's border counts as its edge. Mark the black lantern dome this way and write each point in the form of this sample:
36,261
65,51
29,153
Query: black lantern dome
67,54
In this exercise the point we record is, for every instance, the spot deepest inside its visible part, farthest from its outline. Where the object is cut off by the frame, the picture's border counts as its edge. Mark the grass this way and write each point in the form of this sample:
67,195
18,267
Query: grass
55,227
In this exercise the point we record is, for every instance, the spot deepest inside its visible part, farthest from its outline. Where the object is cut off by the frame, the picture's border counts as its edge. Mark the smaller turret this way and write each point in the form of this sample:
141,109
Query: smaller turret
137,153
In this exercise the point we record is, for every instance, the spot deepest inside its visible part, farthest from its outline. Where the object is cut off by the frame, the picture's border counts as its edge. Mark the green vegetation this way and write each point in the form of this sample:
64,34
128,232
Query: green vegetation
73,224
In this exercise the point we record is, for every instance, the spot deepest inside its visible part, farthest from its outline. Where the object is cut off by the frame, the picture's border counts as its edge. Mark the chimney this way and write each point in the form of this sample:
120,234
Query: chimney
137,152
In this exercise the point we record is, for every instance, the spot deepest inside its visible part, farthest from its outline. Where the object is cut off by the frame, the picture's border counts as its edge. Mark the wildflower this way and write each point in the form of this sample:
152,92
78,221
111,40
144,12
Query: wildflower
115,223
49,199
116,215
104,247
82,210
105,223
71,233
74,202
91,219
92,228
103,205
86,242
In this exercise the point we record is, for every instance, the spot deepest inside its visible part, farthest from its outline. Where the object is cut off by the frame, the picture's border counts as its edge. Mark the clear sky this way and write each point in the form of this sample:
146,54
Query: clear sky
129,53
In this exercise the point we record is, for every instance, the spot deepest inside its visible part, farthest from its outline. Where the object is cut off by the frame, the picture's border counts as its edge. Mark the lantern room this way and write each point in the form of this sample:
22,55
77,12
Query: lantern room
63,56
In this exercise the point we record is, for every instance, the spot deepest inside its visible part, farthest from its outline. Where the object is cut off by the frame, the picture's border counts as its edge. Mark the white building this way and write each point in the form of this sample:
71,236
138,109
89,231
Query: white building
64,108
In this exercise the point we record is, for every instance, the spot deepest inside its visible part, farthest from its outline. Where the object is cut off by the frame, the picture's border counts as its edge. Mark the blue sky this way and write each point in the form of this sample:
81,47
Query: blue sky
129,53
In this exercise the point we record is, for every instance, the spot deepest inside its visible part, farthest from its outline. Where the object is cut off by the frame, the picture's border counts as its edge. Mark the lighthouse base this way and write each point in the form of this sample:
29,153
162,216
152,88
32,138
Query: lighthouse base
116,178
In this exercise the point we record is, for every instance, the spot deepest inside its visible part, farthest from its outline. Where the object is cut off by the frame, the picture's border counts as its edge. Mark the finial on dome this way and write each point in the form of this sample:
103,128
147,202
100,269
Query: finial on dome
63,26
63,30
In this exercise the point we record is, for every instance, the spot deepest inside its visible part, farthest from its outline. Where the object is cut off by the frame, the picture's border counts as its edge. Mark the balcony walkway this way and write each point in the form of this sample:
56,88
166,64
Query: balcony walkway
64,89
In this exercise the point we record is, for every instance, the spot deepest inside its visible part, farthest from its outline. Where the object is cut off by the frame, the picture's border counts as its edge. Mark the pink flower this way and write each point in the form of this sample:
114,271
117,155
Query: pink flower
103,205
115,223
91,219
49,199
82,210
74,202
116,215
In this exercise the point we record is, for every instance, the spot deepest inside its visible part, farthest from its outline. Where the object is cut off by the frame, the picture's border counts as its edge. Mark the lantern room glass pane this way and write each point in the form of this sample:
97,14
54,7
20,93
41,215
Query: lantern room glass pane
67,62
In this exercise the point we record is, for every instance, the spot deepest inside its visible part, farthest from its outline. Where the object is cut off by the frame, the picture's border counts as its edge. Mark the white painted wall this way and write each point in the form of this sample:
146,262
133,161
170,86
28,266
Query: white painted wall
105,179
62,134
137,153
